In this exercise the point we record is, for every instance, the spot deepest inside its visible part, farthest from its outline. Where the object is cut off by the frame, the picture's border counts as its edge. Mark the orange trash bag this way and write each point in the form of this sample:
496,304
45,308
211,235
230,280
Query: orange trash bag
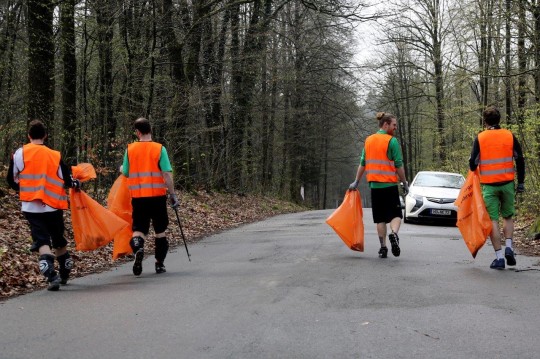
472,217
83,172
347,221
119,202
94,226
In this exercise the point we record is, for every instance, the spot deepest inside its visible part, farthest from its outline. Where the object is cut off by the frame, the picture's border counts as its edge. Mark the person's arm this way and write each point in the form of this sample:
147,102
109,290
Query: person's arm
10,177
475,155
359,172
168,177
69,181
166,171
395,155
520,161
394,152
125,165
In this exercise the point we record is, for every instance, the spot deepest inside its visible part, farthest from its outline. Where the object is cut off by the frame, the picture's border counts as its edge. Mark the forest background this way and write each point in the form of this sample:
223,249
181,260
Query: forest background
268,96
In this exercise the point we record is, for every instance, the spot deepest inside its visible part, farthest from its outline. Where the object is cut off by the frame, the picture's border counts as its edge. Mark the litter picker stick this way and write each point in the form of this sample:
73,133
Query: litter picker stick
182,232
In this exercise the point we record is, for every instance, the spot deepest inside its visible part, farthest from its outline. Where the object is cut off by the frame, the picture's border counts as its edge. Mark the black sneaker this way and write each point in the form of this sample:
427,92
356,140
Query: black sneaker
137,266
65,263
383,252
394,241
509,255
54,283
497,264
160,268
64,276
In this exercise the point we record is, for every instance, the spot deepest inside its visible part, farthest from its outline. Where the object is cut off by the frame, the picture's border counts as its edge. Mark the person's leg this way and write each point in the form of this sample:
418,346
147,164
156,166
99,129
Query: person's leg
378,212
160,222
495,236
507,212
141,226
508,231
59,244
395,223
42,244
394,215
492,201
381,233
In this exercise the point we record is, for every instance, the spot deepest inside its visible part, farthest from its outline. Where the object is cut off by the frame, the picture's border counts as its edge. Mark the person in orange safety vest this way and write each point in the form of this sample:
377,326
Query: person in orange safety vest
494,151
382,162
149,172
41,178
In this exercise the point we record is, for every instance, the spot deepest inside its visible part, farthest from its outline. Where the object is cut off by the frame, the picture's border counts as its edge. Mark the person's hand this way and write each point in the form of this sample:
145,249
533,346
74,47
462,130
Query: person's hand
76,184
520,188
174,201
353,185
405,188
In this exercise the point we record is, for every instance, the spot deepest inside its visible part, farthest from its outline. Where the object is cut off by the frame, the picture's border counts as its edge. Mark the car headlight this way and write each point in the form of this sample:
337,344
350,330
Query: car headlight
419,201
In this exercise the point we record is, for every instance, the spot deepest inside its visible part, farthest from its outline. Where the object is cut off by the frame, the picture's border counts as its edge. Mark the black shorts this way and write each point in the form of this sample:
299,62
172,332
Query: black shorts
47,229
146,209
385,204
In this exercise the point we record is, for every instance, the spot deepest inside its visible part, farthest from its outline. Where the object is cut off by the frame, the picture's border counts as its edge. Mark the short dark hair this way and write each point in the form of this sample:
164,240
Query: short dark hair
37,130
491,116
384,117
143,125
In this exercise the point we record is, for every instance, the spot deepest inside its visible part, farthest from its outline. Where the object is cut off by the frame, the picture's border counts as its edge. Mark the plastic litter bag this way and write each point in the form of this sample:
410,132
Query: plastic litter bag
347,221
119,202
472,217
94,226
83,172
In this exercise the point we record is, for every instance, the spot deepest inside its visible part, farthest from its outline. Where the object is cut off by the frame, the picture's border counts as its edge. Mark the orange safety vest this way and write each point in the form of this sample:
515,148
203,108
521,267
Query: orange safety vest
379,168
39,179
145,177
496,156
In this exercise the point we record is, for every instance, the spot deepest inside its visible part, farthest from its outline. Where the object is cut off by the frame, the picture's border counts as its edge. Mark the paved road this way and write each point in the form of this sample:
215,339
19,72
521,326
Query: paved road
288,288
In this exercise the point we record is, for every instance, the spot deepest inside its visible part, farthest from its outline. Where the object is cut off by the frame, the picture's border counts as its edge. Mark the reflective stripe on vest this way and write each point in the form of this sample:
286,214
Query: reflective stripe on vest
145,178
496,156
379,168
39,179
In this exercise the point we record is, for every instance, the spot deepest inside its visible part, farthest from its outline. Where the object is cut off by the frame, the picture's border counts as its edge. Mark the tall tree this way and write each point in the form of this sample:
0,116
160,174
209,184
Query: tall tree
41,62
69,88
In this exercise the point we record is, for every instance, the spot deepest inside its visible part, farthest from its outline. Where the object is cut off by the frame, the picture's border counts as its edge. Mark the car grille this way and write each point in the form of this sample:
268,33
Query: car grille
441,200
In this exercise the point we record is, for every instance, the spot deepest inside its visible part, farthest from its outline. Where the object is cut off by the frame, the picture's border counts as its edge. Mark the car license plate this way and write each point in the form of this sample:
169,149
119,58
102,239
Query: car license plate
441,212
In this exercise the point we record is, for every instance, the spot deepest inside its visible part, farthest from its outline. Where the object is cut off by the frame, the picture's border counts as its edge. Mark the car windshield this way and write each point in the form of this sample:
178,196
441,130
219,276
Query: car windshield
438,180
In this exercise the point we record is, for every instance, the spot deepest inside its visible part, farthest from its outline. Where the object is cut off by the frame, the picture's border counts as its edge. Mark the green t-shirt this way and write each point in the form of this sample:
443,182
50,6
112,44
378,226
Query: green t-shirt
394,154
164,163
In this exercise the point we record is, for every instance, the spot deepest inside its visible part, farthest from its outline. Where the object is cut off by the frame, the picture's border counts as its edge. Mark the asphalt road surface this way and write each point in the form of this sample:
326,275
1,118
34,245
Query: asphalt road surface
288,287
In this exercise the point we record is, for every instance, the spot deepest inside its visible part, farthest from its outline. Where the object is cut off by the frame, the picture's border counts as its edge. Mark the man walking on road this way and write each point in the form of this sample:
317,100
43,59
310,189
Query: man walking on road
494,150
383,163
40,176
149,172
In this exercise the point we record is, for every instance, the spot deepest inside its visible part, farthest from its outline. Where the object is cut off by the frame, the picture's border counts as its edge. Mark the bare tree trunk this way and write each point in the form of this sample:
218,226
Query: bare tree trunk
179,112
508,62
104,18
69,88
151,86
522,62
41,62
439,83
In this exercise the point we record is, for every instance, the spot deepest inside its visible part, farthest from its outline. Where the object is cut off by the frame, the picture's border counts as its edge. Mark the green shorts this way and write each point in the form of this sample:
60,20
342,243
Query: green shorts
499,198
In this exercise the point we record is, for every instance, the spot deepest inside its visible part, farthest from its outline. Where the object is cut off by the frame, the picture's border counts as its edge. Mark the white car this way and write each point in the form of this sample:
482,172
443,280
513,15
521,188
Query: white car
431,197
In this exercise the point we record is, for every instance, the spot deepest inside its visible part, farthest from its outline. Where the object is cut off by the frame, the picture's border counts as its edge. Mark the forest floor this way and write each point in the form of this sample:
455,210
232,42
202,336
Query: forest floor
201,214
